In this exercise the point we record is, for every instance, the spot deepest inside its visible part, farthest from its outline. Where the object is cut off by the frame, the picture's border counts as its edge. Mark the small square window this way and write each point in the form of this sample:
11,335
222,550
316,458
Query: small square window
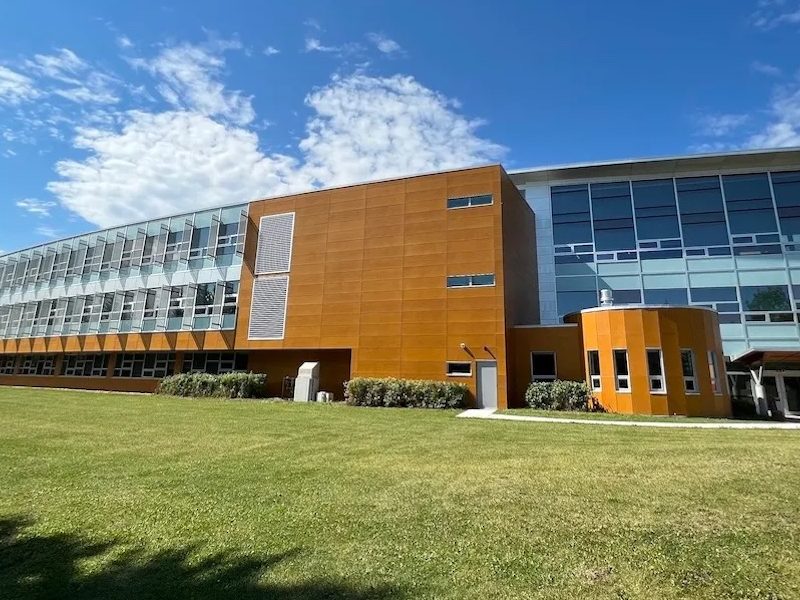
543,366
459,369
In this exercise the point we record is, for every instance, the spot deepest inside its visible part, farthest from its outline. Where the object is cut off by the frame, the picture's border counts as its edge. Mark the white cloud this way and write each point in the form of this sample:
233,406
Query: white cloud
36,207
160,164
271,51
765,69
314,45
363,128
15,87
124,42
48,232
783,129
370,127
189,80
773,13
64,65
384,44
313,24
721,125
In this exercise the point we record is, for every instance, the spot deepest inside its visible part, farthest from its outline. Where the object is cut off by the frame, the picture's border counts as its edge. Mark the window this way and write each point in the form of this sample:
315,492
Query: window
29,311
701,210
655,370
175,246
459,369
765,297
669,296
749,203
126,259
38,365
127,306
543,366
107,307
214,362
227,239
593,363
714,294
75,263
148,250
689,377
787,200
713,371
150,305
204,299
231,298
85,365
8,365
613,217
569,301
571,218
72,316
177,299
656,213
470,280
621,370
93,259
91,309
627,297
483,200
155,364
198,248
106,263
61,262
5,313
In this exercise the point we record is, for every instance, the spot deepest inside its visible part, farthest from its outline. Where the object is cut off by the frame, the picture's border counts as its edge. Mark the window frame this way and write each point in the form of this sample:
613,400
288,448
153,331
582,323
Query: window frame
595,380
659,377
689,378
449,363
713,372
471,277
544,378
470,201
620,378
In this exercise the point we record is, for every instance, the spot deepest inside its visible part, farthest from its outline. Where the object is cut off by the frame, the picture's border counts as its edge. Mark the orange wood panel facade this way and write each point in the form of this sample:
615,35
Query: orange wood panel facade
670,329
369,268
564,340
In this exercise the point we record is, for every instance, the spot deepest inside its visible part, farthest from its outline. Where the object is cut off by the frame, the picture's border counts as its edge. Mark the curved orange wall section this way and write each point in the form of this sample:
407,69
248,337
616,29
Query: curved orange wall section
670,329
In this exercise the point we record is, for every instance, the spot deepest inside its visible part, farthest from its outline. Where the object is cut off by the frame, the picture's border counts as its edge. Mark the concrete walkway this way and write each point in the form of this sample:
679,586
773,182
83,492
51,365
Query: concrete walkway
490,413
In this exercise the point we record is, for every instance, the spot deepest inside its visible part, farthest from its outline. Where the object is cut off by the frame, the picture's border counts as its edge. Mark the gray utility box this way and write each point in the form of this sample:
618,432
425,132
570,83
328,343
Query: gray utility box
307,383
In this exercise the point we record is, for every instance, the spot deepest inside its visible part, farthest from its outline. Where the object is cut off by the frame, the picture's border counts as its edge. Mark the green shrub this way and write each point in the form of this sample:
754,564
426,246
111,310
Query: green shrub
227,385
367,391
561,395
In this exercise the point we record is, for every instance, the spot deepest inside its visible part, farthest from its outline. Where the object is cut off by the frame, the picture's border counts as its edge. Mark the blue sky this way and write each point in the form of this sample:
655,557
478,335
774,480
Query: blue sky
113,112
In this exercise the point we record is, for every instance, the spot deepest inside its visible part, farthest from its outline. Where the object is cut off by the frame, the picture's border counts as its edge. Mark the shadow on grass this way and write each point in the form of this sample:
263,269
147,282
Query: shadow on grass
47,566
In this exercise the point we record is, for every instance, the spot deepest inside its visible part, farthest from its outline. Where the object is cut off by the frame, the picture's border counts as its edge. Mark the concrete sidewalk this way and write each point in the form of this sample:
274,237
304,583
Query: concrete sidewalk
490,413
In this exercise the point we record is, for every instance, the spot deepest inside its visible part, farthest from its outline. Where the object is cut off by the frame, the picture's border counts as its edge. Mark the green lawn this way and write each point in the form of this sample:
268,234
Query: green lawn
126,496
563,414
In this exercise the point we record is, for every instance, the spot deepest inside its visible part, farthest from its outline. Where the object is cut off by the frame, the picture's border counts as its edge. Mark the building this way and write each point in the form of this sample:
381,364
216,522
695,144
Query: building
473,275
720,231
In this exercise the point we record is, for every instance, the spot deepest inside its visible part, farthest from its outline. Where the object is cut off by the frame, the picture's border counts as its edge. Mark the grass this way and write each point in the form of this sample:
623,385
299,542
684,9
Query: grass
124,496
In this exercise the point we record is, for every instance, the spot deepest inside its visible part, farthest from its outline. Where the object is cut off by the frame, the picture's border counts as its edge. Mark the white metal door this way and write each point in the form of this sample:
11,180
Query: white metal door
486,384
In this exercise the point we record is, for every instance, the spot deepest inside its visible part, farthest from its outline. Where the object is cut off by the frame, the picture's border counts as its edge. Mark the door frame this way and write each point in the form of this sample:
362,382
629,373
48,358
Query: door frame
478,385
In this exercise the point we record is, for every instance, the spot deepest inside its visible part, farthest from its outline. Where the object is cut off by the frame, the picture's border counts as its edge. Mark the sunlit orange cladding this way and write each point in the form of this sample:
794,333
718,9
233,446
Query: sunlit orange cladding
684,340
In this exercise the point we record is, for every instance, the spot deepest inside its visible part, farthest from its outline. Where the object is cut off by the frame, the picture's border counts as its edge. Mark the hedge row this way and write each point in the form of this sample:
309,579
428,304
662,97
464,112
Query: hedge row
227,385
561,395
367,391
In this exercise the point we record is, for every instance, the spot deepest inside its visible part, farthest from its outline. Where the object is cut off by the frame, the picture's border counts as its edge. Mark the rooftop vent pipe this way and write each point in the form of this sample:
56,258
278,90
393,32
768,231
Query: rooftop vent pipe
606,298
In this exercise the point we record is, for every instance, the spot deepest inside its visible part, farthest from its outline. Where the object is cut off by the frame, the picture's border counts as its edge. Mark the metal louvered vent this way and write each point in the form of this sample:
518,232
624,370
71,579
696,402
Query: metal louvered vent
268,308
274,244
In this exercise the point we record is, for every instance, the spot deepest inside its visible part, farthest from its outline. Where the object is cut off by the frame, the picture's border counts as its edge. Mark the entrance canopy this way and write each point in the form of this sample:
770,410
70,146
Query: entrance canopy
781,358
